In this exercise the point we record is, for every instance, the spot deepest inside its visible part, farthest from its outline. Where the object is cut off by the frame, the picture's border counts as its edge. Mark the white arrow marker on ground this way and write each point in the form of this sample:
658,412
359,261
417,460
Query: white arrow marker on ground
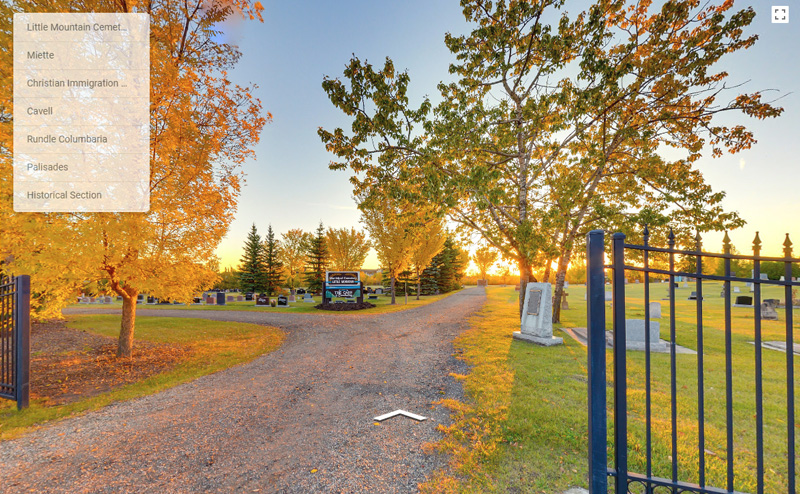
400,412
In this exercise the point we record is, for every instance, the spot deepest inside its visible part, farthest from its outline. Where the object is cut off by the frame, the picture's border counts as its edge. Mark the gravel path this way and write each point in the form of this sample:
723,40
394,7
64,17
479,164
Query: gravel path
298,420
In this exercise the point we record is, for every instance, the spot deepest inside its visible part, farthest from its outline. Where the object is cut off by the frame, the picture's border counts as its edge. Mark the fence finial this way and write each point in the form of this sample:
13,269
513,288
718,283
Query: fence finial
726,243
671,239
698,240
787,247
645,234
757,245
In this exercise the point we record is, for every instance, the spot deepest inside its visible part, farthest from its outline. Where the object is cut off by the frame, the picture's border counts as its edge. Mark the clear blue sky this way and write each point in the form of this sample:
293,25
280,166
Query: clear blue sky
290,186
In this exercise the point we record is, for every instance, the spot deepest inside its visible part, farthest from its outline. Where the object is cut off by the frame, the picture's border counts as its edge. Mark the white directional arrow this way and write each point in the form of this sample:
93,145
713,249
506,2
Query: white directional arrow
400,412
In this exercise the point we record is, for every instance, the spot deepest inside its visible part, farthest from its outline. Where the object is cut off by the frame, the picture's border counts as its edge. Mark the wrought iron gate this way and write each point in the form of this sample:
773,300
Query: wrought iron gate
15,329
601,446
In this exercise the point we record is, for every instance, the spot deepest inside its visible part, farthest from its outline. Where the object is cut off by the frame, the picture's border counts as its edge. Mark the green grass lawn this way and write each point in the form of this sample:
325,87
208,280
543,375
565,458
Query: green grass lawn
524,426
382,305
214,346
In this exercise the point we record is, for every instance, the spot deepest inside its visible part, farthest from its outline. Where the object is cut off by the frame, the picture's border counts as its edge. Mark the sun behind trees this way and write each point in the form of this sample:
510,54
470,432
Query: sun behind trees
202,129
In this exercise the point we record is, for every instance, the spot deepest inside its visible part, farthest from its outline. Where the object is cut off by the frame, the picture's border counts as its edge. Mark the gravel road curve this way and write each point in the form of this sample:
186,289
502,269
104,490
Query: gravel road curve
298,420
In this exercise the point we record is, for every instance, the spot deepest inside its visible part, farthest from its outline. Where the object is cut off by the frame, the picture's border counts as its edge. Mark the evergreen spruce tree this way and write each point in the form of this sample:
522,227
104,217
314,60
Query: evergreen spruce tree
386,280
428,283
272,266
407,281
251,269
447,267
317,261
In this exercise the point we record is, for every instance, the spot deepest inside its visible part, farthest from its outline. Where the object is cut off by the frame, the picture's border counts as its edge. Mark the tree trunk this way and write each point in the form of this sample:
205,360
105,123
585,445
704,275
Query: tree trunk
525,275
419,287
547,269
561,274
393,302
405,288
125,344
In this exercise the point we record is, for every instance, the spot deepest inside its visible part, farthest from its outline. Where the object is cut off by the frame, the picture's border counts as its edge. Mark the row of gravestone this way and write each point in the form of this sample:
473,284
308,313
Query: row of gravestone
96,300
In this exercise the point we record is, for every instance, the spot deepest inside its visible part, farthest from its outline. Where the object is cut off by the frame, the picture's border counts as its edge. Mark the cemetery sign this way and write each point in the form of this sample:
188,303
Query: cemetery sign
342,284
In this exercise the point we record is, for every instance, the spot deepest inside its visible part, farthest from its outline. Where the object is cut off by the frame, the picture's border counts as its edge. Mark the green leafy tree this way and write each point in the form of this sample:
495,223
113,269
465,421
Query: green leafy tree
229,279
273,267
484,258
554,123
317,261
251,268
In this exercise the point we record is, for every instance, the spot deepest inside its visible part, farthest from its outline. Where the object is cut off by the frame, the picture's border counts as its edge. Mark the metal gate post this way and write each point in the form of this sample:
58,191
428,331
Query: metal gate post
22,328
620,372
596,344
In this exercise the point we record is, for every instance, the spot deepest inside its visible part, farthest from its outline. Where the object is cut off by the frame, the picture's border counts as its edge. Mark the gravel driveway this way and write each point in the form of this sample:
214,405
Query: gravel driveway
297,420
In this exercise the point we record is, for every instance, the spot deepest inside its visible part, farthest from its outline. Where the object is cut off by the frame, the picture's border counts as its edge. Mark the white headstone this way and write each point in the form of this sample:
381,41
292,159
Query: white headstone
537,316
736,290
655,310
783,278
686,284
608,297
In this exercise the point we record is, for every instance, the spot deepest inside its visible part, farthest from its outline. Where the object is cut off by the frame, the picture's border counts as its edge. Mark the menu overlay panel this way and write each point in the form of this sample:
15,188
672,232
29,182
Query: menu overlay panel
81,112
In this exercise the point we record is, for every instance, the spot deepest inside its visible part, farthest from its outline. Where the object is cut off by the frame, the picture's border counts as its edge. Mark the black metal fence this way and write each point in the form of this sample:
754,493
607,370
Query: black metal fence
680,441
15,330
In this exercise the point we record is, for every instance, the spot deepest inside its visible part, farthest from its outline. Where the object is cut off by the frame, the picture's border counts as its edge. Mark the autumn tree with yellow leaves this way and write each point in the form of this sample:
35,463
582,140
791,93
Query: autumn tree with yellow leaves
347,249
484,259
202,129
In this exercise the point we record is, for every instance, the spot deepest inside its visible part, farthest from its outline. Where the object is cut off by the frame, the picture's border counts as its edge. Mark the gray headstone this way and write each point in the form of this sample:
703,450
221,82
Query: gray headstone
686,284
636,281
566,284
309,299
736,290
564,303
655,310
764,276
635,335
768,312
537,316
608,297
773,302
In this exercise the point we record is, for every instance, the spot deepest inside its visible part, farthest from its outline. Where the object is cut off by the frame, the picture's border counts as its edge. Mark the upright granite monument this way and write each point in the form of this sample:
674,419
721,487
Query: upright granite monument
537,316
